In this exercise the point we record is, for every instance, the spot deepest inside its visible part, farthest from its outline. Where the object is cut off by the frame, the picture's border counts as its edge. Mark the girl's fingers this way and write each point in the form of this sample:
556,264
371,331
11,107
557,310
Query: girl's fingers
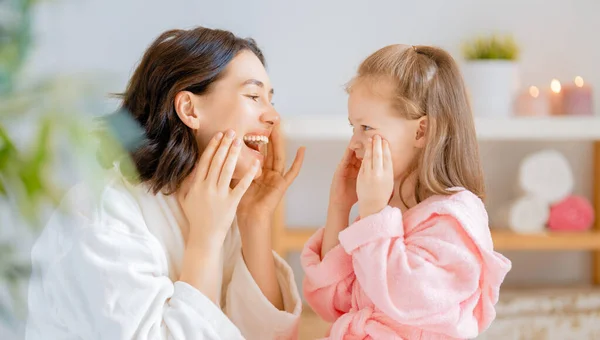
242,186
353,161
387,156
294,170
367,163
377,153
204,162
230,163
219,158
347,156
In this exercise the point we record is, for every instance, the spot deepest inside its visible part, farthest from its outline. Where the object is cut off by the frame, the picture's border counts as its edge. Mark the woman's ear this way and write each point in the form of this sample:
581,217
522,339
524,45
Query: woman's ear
421,134
187,109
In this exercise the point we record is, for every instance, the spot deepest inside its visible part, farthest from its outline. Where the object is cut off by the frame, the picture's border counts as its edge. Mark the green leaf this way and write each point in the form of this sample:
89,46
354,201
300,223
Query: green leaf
8,151
43,147
491,47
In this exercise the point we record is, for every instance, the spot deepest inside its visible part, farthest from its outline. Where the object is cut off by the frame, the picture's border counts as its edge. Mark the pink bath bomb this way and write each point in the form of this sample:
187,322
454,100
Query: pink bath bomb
573,213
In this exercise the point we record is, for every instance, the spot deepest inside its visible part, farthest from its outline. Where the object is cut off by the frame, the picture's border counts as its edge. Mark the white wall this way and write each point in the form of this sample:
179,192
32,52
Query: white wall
313,48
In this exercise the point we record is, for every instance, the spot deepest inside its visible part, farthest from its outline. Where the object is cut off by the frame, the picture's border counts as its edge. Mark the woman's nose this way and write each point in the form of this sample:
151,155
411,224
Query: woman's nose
270,116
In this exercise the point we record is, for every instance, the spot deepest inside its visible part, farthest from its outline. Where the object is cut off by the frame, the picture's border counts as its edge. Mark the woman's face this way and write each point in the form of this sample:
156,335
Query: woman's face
240,100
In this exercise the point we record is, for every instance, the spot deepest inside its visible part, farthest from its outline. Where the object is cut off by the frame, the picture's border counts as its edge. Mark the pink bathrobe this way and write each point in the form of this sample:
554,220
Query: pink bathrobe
430,274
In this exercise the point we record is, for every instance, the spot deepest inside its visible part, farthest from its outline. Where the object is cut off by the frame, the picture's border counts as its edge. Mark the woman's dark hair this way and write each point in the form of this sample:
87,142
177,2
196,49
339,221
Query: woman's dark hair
178,60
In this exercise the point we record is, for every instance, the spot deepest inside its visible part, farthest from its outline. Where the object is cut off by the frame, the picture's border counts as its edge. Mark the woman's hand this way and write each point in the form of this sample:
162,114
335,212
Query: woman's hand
210,204
375,183
262,198
255,214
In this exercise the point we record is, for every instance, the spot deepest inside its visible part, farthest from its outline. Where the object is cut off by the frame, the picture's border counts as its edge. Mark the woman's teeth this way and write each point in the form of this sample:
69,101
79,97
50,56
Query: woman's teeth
256,139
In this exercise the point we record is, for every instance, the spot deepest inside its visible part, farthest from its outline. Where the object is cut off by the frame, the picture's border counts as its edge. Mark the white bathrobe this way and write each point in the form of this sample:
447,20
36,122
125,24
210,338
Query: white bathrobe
109,269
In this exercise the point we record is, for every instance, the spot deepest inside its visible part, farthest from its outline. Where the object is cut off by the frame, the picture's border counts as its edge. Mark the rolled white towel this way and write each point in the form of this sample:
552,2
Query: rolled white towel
527,214
546,175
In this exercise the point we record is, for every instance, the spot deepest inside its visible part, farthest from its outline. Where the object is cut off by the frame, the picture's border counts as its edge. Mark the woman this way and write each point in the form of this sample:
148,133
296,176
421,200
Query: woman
184,252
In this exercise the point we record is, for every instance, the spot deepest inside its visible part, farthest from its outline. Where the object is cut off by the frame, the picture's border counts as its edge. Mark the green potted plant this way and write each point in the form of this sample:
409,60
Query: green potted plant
40,162
491,74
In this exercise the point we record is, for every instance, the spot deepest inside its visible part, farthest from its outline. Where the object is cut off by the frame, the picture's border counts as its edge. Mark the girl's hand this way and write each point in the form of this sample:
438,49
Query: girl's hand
262,198
210,204
375,182
342,194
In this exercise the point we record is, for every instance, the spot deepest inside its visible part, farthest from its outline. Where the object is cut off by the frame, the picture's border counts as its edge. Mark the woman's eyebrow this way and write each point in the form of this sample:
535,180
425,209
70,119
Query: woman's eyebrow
257,83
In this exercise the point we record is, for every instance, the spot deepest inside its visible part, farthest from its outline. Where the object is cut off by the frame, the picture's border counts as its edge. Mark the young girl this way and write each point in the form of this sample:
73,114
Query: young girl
419,262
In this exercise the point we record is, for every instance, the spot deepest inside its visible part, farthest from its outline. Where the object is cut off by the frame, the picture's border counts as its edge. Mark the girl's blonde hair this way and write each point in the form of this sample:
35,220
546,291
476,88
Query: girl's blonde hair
427,82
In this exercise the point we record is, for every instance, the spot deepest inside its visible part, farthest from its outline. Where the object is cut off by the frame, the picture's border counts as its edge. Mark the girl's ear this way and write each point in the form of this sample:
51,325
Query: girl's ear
187,110
421,134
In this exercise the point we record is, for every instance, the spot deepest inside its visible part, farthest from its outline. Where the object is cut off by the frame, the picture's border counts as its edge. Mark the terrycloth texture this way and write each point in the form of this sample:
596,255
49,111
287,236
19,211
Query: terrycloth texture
431,274
109,270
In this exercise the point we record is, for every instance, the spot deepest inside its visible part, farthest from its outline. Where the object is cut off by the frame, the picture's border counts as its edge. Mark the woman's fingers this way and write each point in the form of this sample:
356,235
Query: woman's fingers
230,164
219,158
205,159
242,186
294,170
278,149
268,164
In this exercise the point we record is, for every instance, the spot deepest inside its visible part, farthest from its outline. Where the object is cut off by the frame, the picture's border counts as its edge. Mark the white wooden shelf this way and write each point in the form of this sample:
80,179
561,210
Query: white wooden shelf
297,236
576,128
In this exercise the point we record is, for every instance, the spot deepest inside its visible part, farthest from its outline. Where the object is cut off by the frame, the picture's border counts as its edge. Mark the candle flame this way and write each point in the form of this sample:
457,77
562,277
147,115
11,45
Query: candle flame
578,81
555,86
534,91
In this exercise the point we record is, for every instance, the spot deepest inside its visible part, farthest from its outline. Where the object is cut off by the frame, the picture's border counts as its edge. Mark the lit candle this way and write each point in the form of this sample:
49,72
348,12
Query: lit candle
556,98
532,102
577,98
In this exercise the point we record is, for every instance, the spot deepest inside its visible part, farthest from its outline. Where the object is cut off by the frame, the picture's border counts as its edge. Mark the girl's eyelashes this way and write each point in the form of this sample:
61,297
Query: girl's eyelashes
363,127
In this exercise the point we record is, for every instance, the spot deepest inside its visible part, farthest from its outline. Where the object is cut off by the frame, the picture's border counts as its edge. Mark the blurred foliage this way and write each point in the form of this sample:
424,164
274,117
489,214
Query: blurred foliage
491,47
15,42
15,39
53,117
43,122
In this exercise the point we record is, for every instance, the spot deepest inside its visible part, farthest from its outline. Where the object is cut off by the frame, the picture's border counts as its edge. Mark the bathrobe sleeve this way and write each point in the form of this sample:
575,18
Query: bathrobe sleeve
435,278
327,282
247,306
102,278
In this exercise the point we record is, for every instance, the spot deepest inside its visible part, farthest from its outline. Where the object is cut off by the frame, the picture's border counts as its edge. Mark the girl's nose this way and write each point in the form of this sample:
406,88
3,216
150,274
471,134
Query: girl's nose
355,143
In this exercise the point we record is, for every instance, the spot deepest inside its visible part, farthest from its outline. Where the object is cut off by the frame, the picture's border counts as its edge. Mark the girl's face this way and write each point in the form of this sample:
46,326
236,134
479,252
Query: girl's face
370,112
240,100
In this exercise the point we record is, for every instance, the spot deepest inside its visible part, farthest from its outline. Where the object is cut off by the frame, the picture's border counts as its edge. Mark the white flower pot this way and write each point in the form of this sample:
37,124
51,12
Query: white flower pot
492,86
